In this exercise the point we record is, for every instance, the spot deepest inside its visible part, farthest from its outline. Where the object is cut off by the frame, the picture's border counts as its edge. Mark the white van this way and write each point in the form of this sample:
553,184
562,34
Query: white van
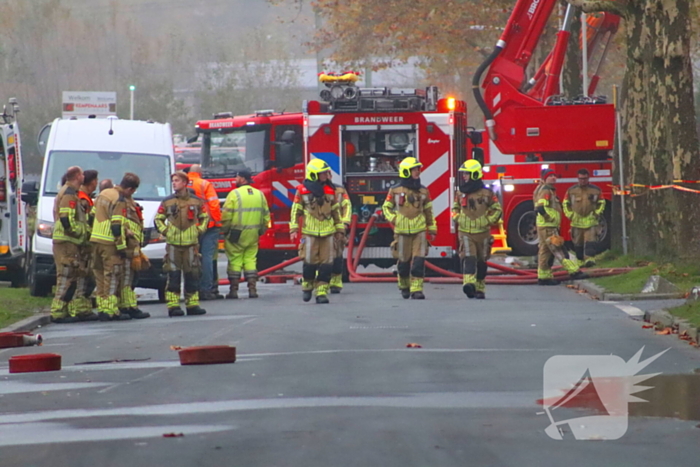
13,216
112,147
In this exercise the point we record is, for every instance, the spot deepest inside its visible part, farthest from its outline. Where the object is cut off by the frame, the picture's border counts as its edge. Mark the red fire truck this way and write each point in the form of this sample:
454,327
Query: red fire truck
363,134
270,145
531,127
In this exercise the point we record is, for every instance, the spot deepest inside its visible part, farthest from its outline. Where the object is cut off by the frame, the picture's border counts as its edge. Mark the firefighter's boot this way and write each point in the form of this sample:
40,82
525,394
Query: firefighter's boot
545,277
336,283
480,292
175,311
233,278
195,310
469,285
136,313
405,286
322,293
417,288
252,279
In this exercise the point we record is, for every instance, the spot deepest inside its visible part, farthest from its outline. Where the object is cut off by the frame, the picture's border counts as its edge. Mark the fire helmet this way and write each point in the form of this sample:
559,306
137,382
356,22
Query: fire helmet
473,167
316,167
407,165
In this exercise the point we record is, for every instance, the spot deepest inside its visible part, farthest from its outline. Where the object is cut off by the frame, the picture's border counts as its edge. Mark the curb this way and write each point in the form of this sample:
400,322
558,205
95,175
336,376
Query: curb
662,318
599,293
27,324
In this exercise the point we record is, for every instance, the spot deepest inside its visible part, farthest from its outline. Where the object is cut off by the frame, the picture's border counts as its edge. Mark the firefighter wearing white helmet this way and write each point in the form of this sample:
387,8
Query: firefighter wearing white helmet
476,209
409,209
316,204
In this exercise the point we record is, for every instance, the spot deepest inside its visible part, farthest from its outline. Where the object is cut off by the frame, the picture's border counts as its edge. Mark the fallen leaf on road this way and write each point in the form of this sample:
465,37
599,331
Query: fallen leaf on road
175,347
665,331
571,286
173,435
411,345
647,326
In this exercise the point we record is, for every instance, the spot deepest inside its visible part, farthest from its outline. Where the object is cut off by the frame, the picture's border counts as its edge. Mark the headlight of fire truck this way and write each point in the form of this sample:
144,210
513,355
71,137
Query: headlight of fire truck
44,229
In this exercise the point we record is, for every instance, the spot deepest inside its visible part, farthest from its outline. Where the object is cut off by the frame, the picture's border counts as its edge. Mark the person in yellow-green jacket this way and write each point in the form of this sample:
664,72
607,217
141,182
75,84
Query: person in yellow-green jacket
82,306
476,209
69,232
409,209
343,200
109,246
181,219
134,260
321,227
551,244
245,219
584,206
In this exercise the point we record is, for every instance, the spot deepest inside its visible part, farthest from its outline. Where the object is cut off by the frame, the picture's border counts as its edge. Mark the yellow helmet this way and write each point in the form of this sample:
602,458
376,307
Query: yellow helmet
316,167
472,166
407,165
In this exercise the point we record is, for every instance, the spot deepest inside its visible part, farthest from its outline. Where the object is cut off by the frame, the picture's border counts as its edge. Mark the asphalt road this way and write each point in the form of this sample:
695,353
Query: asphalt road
335,385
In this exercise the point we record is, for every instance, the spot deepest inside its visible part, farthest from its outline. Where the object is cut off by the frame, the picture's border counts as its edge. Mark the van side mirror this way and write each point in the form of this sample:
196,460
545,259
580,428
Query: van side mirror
476,137
478,154
30,193
192,139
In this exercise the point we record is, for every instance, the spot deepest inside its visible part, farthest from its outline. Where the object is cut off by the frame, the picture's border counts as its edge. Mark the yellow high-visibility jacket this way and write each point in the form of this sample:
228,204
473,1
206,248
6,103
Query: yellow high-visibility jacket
476,212
546,196
110,216
343,200
245,209
410,211
182,218
70,221
321,216
584,205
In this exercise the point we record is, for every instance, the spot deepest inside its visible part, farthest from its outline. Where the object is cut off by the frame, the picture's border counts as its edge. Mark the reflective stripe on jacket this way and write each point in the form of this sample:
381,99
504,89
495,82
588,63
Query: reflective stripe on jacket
476,212
134,224
341,196
584,205
110,215
321,215
204,189
70,221
410,211
245,208
546,196
181,219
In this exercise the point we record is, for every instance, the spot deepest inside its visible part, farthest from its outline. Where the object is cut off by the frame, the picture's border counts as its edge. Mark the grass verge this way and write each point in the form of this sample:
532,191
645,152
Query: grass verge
683,275
17,304
689,312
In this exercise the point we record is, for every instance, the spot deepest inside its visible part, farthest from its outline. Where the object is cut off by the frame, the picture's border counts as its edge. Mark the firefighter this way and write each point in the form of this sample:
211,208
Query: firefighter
109,246
245,218
134,261
409,209
476,209
182,219
209,244
343,200
551,244
70,230
583,206
81,306
315,203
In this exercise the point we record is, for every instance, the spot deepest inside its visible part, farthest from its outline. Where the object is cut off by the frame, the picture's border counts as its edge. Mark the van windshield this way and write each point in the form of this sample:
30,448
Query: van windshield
152,169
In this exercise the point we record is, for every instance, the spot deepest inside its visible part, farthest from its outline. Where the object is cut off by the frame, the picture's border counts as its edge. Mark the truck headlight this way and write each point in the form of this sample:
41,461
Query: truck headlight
44,229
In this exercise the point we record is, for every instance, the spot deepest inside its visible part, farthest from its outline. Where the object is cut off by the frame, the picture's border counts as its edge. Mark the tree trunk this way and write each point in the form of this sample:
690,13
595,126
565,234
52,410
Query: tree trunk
660,143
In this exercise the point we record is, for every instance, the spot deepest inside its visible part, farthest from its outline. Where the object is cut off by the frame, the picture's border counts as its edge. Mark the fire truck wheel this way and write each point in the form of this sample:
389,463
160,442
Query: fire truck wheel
604,234
522,230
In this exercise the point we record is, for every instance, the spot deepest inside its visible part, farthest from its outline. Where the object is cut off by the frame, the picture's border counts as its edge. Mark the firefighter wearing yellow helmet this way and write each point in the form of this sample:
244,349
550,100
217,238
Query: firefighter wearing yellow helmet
409,209
316,204
476,209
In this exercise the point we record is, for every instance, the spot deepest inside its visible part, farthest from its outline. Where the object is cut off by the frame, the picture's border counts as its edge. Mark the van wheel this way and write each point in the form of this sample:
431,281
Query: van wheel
522,230
38,287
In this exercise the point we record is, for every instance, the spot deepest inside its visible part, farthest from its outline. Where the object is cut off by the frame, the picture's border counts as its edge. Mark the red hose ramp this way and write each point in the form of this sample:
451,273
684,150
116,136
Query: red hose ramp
35,363
207,355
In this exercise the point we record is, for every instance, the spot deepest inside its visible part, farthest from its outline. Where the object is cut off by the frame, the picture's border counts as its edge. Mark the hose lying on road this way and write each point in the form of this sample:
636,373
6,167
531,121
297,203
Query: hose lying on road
505,275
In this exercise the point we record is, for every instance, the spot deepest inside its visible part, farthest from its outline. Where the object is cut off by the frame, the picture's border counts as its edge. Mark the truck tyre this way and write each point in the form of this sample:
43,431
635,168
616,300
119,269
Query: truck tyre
38,287
522,230
605,232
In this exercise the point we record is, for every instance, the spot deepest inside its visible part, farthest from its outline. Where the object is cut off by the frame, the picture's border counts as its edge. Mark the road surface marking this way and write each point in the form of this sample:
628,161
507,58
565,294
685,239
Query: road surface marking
630,310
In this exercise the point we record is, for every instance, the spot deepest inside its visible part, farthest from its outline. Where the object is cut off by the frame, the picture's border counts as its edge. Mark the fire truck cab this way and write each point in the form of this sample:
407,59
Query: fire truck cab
268,143
364,133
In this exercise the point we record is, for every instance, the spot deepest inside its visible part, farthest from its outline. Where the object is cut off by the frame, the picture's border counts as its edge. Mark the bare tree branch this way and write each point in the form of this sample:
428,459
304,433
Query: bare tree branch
619,7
